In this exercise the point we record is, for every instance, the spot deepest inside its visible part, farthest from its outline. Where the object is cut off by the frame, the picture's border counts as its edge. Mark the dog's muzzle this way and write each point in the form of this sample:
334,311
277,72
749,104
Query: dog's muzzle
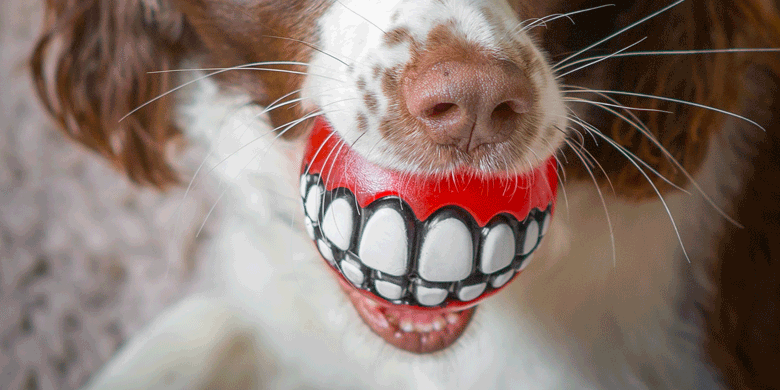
420,240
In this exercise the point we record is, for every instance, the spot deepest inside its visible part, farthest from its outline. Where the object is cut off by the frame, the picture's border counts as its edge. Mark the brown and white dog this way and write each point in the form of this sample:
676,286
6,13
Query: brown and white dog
666,131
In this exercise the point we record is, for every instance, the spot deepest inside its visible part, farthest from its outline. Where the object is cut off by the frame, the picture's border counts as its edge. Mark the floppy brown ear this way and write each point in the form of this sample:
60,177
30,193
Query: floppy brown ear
714,80
90,68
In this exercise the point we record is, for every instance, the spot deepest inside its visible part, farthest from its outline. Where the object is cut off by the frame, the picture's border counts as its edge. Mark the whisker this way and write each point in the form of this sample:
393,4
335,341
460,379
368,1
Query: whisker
290,125
162,95
286,126
259,69
630,26
660,197
595,62
646,132
317,153
238,174
550,18
603,202
361,16
266,63
636,120
352,146
311,46
579,100
676,52
683,102
594,131
574,115
598,164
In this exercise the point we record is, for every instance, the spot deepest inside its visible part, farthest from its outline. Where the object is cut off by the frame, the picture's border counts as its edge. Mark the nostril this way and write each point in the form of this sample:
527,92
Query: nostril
441,110
508,110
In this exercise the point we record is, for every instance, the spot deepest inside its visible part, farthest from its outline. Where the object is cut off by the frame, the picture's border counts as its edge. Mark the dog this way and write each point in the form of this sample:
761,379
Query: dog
658,270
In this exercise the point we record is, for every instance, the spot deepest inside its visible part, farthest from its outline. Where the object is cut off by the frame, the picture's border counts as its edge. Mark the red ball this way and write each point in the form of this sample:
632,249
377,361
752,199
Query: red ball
491,215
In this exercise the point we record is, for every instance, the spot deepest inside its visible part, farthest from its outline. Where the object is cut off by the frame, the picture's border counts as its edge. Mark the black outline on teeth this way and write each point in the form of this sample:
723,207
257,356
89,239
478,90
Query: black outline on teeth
411,279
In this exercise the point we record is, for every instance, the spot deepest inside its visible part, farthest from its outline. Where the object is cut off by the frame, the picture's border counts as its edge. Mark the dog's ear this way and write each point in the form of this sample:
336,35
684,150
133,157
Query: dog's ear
91,67
715,80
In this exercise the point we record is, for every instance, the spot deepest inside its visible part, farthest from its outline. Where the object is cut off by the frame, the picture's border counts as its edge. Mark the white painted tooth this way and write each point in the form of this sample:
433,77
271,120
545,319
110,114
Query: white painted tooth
526,262
338,223
388,290
531,237
384,244
303,186
313,202
546,222
501,280
468,293
309,227
353,273
430,296
498,250
325,251
447,252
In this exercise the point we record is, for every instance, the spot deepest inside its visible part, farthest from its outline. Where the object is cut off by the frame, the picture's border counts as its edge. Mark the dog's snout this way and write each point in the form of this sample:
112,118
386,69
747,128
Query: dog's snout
468,104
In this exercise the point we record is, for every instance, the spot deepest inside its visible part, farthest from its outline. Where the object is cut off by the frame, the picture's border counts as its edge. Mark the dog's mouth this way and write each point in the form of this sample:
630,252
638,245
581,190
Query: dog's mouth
415,253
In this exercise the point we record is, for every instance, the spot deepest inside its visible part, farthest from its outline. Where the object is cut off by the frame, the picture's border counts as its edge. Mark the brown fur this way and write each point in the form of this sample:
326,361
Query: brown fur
743,316
103,50
714,80
100,53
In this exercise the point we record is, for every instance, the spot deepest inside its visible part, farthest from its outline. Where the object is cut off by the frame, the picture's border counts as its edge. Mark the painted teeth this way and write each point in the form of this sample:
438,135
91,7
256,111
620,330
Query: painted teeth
388,290
353,273
498,250
470,293
531,237
326,252
501,279
384,249
312,202
430,296
384,245
447,252
338,223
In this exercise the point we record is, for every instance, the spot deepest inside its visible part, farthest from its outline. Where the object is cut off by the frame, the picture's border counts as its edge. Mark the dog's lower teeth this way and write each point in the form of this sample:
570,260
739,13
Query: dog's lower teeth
423,328
383,249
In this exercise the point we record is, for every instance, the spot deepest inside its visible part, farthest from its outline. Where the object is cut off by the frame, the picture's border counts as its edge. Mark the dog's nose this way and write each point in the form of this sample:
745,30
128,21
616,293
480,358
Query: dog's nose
468,104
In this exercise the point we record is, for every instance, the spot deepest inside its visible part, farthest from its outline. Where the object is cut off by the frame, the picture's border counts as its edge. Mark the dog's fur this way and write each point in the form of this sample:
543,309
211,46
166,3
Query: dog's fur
587,313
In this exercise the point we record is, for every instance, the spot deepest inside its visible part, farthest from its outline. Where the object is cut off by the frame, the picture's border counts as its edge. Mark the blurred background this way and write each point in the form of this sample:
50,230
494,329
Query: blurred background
86,258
